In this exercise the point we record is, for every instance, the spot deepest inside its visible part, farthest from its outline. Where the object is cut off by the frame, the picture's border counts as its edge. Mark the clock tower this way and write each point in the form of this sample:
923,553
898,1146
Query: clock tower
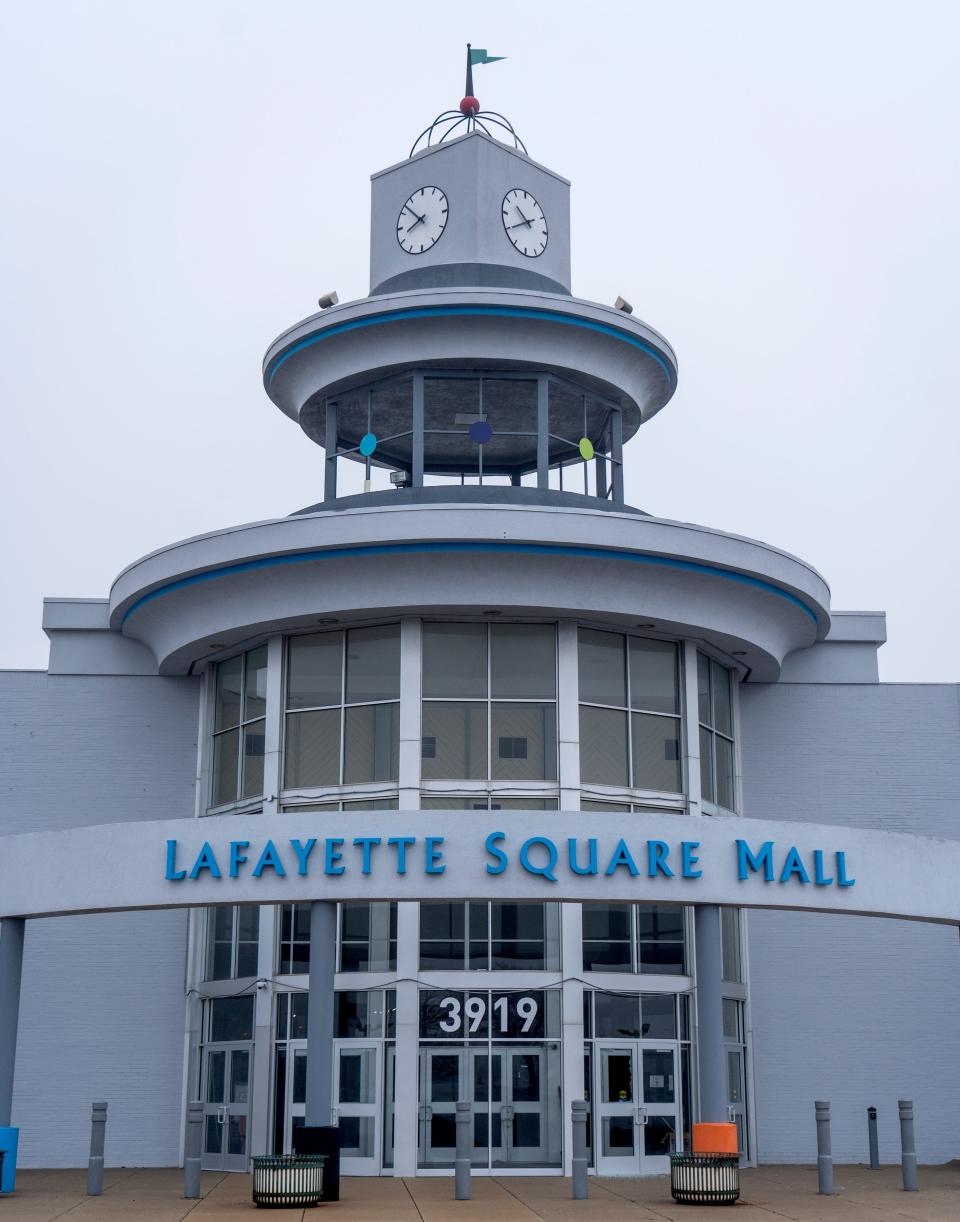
491,218
470,359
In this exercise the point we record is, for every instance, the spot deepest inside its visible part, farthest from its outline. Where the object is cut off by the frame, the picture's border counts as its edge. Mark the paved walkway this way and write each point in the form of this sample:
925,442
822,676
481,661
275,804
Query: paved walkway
768,1193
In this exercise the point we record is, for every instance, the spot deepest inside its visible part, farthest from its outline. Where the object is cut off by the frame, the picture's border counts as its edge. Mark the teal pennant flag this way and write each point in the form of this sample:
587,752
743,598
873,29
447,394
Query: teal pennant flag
481,57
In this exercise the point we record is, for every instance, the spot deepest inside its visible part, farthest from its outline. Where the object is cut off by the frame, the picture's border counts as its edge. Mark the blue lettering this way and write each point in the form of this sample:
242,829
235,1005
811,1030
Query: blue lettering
332,854
591,866
621,857
490,844
368,843
237,859
689,858
173,875
657,853
793,865
206,860
545,871
747,860
303,851
269,860
842,880
434,855
818,876
400,843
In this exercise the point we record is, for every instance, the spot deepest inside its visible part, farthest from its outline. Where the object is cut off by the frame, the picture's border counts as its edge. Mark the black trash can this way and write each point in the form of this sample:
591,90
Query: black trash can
322,1139
705,1179
283,1181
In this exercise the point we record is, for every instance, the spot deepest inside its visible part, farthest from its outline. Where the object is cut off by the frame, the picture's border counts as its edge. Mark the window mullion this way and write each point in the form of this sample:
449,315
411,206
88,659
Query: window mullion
343,708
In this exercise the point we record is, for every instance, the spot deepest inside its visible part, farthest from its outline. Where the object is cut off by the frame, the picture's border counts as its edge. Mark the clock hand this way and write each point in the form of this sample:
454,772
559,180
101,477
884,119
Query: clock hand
525,221
418,221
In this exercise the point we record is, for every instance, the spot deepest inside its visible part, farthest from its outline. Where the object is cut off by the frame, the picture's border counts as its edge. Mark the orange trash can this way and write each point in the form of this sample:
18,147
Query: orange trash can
715,1139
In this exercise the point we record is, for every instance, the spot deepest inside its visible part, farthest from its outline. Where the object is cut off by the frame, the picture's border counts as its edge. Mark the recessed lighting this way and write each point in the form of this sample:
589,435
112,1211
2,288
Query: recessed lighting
738,653
493,613
644,625
216,645
328,621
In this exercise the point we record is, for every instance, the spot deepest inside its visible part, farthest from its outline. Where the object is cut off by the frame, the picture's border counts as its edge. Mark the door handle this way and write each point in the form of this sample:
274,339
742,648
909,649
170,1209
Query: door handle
731,1114
222,1114
641,1115
334,1119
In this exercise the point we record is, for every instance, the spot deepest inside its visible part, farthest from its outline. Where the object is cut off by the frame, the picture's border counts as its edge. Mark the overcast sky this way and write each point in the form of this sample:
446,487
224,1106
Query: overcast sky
774,186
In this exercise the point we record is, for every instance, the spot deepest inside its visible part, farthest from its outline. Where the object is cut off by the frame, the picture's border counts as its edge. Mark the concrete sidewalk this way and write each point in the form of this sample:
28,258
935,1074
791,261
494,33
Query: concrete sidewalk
768,1193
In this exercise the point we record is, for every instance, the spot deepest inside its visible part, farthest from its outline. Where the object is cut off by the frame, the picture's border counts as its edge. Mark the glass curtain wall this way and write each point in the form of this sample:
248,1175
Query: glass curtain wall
489,702
342,724
630,732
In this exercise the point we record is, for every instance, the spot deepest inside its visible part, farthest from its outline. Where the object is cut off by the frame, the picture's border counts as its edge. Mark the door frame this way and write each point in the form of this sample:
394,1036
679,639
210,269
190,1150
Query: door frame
226,1108
640,1163
367,1164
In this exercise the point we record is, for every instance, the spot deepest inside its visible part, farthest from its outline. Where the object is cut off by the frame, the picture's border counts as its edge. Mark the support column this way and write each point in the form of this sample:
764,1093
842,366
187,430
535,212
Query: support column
416,473
574,1087
323,963
616,447
261,1136
406,1109
711,1052
11,970
568,715
331,444
543,433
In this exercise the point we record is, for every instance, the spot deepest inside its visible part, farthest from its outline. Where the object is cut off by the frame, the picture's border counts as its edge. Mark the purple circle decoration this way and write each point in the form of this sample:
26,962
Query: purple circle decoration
480,432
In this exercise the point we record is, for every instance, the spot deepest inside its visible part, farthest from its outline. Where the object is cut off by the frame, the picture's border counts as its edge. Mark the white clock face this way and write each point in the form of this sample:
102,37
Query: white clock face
422,219
524,222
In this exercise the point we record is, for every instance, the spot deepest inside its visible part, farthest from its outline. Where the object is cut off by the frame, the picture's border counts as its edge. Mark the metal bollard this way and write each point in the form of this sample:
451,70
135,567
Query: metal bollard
191,1151
98,1125
908,1146
579,1167
824,1155
872,1137
461,1172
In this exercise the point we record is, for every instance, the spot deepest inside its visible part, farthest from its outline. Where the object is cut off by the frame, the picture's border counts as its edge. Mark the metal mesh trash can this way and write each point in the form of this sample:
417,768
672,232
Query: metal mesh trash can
288,1179
705,1179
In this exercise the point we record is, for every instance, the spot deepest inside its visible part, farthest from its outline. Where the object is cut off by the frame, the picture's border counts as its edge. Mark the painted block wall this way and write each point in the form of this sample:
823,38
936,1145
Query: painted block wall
856,1010
102,1006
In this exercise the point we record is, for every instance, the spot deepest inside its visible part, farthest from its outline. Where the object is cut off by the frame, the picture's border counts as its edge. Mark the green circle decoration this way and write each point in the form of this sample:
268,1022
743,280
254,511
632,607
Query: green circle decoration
586,449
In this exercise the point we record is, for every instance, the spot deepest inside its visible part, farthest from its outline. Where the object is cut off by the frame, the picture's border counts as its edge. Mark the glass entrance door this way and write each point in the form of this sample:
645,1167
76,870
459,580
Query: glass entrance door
295,1091
736,1092
443,1081
637,1113
226,1106
357,1089
508,1087
518,1110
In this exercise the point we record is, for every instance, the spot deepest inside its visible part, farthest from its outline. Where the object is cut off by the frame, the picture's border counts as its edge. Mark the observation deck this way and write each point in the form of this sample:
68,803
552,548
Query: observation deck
472,383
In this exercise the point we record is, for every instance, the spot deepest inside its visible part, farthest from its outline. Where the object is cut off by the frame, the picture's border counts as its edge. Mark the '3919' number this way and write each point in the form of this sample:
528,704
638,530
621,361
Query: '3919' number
474,1010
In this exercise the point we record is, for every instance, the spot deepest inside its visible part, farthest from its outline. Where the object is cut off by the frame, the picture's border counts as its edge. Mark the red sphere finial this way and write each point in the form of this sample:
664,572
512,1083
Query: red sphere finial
470,105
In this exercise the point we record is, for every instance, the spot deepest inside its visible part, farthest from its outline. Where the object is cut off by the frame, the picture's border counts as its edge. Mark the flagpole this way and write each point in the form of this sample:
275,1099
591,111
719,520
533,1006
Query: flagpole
468,92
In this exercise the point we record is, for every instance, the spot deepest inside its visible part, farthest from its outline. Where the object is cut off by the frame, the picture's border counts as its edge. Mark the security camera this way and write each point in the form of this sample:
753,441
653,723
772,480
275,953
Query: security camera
328,300
622,304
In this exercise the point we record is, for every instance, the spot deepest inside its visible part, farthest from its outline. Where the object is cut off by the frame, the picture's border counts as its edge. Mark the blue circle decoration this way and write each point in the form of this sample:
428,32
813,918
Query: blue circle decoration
368,443
480,432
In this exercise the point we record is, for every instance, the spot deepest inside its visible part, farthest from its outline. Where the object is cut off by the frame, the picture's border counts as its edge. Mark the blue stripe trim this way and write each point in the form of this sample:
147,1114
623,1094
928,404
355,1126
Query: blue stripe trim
524,549
568,320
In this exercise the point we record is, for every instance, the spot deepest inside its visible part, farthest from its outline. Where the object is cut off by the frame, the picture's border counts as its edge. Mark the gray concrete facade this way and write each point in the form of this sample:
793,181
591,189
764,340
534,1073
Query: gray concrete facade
861,1012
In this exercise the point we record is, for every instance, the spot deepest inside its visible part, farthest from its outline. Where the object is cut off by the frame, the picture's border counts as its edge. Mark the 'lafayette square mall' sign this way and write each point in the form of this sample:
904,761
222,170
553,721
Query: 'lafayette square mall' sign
542,856
576,856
